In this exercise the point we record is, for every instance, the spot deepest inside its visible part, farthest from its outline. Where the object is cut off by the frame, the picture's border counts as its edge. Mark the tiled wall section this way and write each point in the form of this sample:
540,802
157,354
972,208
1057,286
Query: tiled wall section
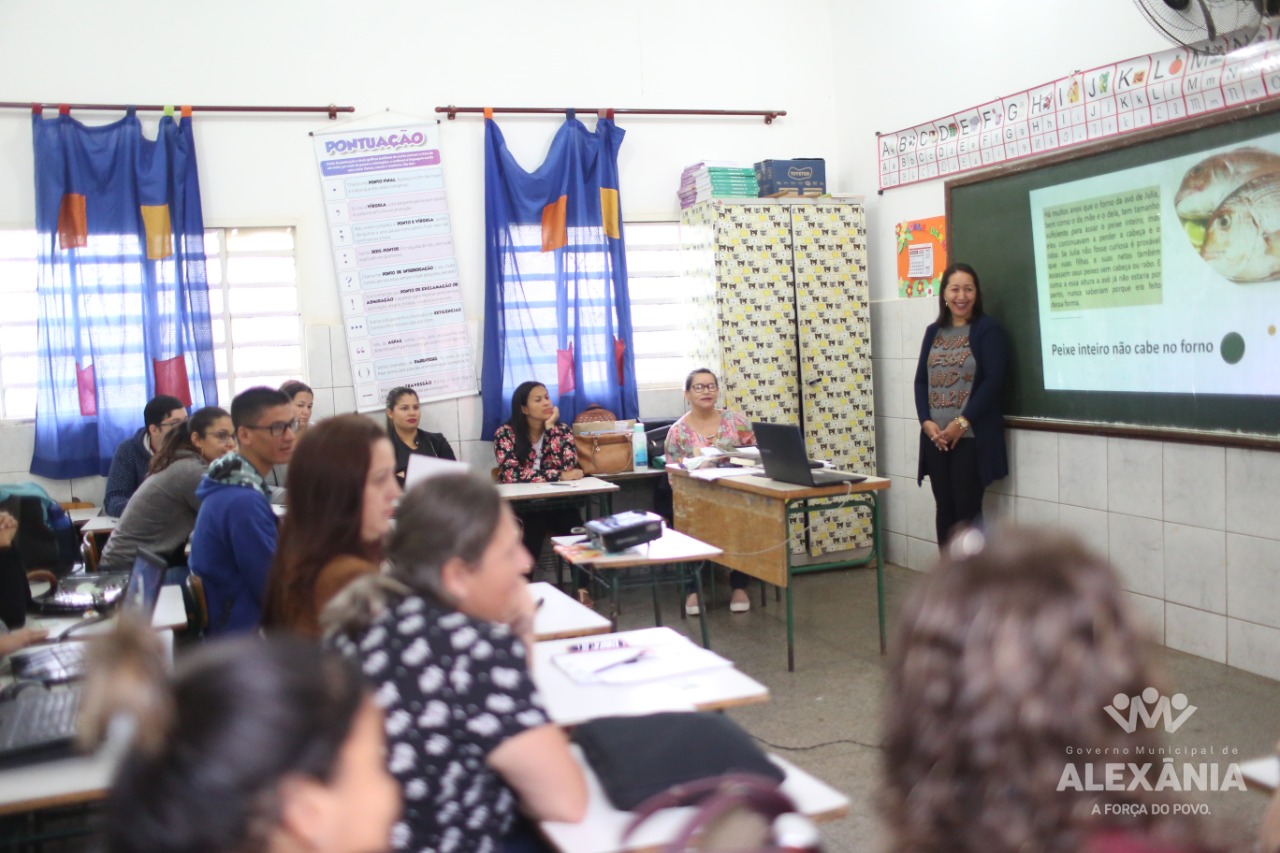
1192,529
329,373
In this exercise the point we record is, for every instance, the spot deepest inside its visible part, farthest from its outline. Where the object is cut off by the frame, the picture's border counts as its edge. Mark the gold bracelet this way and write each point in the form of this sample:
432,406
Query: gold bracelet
963,421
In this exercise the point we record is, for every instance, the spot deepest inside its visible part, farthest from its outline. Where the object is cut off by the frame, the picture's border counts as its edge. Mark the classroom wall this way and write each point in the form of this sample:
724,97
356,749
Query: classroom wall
1191,527
410,57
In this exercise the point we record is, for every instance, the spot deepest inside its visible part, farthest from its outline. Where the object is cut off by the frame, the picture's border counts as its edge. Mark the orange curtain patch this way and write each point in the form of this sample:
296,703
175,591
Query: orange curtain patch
155,218
555,232
73,226
609,216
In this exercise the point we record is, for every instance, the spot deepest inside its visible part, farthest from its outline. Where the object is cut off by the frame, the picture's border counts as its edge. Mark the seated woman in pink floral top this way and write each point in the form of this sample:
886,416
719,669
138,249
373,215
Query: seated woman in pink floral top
706,426
534,447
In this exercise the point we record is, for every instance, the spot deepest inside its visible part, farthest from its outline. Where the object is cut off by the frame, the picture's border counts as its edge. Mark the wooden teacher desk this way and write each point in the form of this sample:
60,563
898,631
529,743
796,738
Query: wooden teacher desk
747,518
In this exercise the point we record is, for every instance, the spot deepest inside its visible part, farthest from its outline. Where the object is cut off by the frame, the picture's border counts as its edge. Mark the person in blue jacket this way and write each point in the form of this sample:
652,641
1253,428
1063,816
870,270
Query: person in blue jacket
133,455
234,539
959,381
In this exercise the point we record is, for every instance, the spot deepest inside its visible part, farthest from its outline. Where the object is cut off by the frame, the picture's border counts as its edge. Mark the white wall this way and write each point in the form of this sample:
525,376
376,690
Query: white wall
1191,528
411,57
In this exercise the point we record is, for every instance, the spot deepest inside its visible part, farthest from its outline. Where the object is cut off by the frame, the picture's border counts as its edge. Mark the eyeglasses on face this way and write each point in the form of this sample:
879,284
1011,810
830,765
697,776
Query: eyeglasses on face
704,386
165,425
277,429
223,436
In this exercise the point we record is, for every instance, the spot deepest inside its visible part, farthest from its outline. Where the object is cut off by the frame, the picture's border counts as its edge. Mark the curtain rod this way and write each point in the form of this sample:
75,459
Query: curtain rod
64,109
609,112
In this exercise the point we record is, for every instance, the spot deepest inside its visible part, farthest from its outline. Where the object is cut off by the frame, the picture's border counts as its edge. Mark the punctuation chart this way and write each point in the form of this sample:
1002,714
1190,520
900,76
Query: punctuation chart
393,254
1101,103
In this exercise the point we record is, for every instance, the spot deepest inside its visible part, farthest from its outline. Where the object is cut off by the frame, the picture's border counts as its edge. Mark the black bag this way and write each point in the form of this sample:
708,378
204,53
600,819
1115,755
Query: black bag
45,538
638,757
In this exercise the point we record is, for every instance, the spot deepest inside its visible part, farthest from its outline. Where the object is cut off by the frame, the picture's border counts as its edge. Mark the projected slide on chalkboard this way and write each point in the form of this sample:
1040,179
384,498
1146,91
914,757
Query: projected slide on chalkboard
1163,277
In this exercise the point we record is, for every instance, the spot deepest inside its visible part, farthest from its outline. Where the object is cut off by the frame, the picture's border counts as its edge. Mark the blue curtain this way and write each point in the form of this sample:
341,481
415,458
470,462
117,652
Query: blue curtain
557,308
123,291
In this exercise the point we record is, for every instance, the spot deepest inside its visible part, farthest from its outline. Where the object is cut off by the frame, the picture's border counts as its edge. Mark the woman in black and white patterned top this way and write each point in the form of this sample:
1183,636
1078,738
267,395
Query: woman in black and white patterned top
443,638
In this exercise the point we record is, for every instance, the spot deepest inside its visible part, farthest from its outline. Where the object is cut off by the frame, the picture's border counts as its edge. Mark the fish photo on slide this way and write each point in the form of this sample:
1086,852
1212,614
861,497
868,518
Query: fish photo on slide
1229,205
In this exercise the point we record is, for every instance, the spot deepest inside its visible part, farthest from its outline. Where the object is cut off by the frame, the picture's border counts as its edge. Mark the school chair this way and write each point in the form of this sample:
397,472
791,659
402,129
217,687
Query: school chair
197,606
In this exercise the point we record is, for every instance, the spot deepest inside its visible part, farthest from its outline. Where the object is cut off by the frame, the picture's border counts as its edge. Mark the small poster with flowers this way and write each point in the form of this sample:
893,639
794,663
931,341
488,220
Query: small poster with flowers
922,255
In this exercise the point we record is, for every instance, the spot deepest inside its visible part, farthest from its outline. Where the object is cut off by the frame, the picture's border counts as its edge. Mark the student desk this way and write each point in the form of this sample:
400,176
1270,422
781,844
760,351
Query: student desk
99,524
673,548
559,617
51,784
79,779
601,830
569,703
170,613
82,515
592,492
747,517
1262,774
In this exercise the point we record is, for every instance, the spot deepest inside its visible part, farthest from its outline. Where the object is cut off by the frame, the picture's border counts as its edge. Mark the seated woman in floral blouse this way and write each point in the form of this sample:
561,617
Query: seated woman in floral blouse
534,447
706,426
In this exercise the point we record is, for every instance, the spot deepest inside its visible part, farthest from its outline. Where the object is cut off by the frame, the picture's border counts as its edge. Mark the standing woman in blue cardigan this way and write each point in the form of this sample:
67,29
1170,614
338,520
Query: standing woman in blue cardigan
959,380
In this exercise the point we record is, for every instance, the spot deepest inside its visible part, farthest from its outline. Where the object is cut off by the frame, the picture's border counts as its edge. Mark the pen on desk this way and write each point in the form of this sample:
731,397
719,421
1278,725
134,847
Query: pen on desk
537,605
566,485
631,659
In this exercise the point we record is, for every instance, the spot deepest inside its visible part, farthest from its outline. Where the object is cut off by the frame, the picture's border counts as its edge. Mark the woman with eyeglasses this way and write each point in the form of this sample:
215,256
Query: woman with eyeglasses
162,513
343,493
704,425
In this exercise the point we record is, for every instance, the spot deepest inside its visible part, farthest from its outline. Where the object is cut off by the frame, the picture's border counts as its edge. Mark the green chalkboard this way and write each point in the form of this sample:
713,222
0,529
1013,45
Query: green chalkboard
989,225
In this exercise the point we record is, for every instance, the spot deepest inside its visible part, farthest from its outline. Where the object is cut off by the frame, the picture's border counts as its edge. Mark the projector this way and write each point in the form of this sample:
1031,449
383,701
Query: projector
623,530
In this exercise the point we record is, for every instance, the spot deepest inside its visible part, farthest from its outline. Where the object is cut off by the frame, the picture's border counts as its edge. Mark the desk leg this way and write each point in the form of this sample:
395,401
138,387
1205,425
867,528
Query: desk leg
653,588
702,604
791,642
614,608
878,546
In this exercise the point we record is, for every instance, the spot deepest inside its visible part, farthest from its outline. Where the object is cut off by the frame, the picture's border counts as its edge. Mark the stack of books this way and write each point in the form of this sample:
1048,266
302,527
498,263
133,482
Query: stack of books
707,180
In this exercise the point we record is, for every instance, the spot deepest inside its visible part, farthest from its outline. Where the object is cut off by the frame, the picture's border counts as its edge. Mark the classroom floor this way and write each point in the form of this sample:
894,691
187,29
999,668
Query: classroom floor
825,716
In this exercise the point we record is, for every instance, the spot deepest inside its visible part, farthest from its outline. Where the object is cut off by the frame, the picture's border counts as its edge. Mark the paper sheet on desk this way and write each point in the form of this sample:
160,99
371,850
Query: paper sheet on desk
721,473
635,664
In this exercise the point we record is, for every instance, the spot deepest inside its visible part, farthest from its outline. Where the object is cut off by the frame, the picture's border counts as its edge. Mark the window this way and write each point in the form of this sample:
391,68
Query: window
253,304
655,266
17,324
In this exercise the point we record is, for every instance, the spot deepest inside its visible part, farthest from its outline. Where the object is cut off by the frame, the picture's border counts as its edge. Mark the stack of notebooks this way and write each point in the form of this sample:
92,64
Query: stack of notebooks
708,180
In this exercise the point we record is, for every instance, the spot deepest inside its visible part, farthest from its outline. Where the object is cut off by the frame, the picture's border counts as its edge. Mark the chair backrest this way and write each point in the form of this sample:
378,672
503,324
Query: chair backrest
89,552
199,619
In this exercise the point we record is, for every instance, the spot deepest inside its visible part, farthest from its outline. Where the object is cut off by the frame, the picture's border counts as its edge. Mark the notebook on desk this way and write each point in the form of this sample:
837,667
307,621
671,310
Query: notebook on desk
61,661
784,458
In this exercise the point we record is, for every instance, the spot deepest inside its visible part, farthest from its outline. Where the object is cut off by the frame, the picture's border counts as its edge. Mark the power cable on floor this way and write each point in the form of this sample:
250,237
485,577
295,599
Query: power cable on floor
816,745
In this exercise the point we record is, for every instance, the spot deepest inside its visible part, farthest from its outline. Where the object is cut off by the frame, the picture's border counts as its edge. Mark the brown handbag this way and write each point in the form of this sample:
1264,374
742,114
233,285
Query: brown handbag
603,451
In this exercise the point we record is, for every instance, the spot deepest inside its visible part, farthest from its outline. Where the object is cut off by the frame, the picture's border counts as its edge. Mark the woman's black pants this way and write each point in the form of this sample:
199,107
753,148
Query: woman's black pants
957,486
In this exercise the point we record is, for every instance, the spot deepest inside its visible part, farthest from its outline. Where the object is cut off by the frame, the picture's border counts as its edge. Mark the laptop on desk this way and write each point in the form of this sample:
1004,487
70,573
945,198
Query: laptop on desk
784,458
56,662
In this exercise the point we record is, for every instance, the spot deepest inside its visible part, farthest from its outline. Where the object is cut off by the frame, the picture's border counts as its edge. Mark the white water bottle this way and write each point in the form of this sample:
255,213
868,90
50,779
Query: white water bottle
640,447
